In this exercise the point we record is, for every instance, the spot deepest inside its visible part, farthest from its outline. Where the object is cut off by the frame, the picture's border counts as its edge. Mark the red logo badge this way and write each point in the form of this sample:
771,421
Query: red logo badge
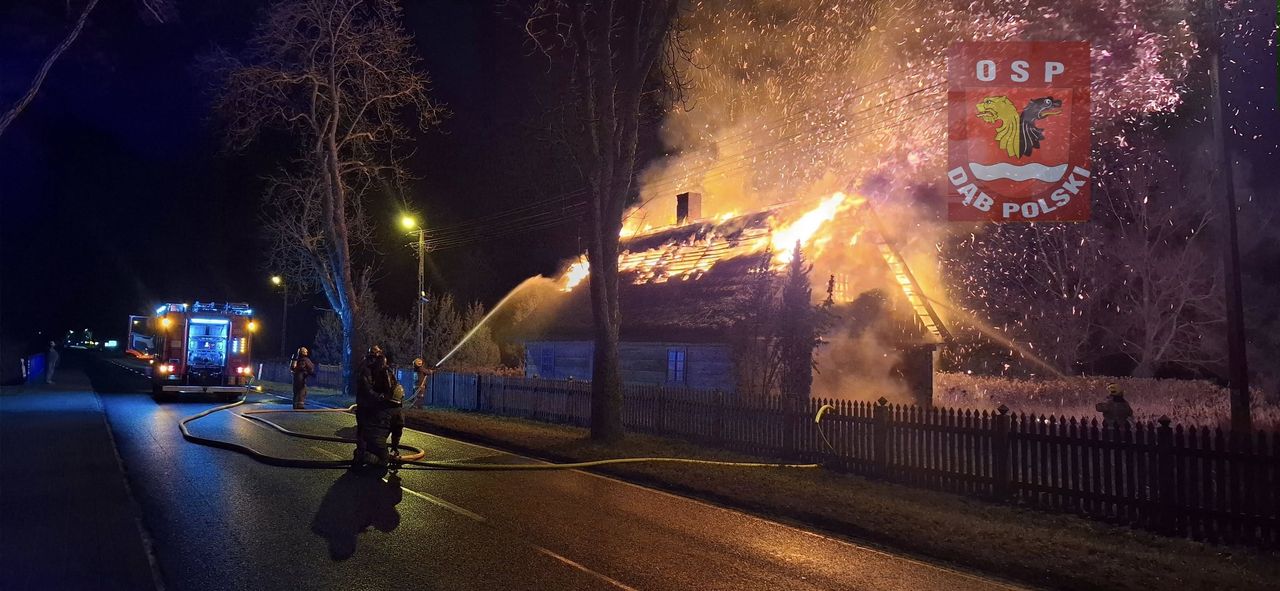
1018,132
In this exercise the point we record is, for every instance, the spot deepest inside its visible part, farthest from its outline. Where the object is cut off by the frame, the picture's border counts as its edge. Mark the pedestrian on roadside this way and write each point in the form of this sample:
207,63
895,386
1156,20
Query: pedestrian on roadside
1115,410
302,368
422,380
50,362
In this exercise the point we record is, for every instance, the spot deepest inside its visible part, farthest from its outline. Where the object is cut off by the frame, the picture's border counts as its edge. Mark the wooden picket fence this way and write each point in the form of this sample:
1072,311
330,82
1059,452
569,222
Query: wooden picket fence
1192,481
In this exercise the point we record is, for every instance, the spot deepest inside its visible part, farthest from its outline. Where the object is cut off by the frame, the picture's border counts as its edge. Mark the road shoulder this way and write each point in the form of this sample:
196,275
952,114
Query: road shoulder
69,518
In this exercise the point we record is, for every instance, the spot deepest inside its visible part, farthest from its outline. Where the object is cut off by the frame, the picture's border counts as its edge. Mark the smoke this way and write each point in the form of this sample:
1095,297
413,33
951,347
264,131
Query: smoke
793,100
859,367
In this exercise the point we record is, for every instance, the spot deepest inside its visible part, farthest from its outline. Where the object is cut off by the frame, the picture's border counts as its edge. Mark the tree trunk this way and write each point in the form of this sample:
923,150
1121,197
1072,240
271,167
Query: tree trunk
1144,369
349,348
606,377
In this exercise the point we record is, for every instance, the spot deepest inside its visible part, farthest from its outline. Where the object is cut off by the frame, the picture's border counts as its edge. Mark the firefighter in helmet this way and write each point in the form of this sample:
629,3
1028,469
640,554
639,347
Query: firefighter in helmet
1115,409
422,379
302,368
378,398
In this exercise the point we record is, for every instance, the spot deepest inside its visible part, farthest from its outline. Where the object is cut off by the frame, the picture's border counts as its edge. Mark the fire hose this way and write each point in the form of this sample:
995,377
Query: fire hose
415,455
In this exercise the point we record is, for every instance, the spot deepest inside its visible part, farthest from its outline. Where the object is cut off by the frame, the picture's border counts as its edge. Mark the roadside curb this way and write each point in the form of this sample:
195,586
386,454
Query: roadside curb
148,543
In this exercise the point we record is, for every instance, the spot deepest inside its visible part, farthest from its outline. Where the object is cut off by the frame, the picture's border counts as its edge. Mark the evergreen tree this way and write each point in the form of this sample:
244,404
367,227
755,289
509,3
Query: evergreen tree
799,329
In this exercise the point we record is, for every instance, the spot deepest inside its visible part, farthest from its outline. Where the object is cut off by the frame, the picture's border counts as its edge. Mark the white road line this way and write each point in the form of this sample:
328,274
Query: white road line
749,516
542,550
567,561
482,519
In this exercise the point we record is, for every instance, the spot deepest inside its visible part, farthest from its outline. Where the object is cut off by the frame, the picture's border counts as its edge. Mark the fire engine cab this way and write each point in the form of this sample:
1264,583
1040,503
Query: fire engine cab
201,348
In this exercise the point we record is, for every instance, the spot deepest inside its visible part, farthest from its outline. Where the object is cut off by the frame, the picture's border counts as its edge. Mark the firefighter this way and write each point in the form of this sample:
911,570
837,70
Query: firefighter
377,409
302,368
422,374
393,408
1115,409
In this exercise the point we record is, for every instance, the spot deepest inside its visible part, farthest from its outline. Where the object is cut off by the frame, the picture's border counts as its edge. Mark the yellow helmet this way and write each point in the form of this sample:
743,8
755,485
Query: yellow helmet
418,362
1114,389
303,352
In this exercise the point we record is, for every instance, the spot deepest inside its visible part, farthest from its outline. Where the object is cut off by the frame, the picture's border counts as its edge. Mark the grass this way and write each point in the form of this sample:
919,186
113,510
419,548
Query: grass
1048,550
1188,402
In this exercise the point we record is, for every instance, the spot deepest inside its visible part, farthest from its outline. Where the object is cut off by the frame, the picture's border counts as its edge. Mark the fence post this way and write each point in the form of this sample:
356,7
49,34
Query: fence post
789,437
717,427
476,406
1166,516
660,420
1000,473
880,436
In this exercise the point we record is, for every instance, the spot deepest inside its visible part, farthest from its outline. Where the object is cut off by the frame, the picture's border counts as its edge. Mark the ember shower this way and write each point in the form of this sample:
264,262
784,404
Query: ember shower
795,101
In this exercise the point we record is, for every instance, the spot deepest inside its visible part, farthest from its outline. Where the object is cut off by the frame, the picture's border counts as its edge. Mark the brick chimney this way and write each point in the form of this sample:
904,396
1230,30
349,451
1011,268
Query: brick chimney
688,207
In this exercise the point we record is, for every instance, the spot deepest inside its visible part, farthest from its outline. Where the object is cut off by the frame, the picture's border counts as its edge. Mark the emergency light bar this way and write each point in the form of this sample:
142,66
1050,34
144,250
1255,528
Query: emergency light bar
210,321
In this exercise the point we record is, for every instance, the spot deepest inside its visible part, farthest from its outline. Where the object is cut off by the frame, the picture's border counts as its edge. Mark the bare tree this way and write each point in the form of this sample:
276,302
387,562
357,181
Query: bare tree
341,77
1168,307
157,9
613,54
1041,283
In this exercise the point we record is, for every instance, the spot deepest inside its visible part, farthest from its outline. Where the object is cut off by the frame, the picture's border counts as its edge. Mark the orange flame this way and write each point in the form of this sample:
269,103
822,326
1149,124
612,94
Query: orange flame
802,230
574,274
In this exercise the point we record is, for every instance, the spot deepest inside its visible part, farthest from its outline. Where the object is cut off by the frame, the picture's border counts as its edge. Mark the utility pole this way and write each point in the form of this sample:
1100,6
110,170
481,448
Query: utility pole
422,296
1237,363
284,316
410,223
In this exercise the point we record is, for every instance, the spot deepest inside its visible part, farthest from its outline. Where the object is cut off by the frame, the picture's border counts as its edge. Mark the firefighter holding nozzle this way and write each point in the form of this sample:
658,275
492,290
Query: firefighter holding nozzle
379,398
422,379
302,368
1115,409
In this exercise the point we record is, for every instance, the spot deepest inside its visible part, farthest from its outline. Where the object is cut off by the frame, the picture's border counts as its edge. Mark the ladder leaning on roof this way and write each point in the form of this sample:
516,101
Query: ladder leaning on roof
925,314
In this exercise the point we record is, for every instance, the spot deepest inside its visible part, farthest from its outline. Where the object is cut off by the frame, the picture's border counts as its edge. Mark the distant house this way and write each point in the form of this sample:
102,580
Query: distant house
688,294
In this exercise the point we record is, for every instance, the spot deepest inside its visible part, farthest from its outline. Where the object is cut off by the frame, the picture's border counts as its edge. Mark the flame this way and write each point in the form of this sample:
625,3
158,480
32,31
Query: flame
691,257
802,230
694,256
575,274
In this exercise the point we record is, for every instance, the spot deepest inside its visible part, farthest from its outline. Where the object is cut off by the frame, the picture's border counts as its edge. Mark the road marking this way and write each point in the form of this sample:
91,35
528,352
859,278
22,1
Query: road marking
482,519
886,554
461,511
542,550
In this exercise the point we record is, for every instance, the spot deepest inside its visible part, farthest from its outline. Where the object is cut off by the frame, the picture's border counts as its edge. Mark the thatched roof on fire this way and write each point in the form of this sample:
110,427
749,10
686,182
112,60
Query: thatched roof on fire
672,292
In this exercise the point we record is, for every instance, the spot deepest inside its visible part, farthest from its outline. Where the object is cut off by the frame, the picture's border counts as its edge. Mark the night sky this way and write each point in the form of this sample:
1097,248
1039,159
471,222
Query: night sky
117,193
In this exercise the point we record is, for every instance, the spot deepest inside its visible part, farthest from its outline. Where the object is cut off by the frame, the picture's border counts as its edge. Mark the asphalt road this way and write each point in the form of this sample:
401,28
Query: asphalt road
220,520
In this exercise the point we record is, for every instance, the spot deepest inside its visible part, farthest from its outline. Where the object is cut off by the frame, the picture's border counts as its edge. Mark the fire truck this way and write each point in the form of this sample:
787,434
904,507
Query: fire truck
201,348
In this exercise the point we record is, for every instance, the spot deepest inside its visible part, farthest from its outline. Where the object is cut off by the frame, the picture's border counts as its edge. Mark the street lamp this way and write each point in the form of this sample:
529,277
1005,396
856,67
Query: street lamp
278,281
409,223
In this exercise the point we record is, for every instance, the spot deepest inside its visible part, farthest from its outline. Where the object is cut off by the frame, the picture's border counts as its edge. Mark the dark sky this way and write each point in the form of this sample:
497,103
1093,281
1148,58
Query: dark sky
115,192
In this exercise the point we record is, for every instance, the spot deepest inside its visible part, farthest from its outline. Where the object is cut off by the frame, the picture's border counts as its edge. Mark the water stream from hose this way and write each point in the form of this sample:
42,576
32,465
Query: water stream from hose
486,318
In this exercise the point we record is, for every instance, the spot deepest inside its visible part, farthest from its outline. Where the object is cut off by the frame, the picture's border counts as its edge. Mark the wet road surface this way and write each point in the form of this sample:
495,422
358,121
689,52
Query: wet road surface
220,520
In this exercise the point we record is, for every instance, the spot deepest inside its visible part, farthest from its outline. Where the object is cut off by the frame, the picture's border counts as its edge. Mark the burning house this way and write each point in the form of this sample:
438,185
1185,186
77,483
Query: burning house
696,297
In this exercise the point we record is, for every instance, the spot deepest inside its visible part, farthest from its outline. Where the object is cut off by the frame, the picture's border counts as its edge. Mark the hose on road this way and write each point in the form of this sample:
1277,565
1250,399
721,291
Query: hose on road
415,455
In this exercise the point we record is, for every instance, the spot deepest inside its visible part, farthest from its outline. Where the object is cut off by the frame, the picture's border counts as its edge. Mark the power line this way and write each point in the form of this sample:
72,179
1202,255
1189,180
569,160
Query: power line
534,216
516,227
774,124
